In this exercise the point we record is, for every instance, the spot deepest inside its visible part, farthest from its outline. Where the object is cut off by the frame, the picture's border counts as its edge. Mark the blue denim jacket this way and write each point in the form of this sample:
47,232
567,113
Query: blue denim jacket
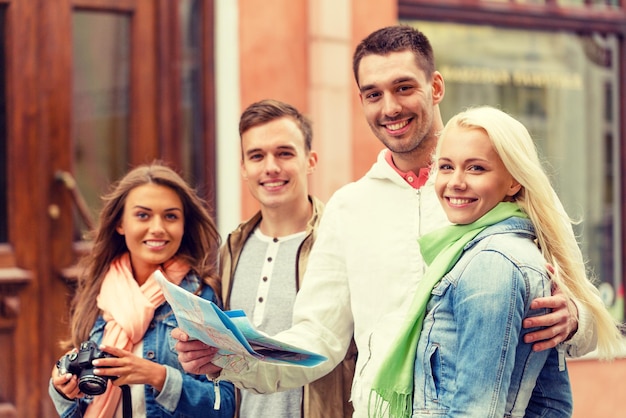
471,359
183,394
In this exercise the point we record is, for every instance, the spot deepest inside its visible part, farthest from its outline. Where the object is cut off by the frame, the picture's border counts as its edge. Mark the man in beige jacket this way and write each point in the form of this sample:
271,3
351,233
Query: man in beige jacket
263,260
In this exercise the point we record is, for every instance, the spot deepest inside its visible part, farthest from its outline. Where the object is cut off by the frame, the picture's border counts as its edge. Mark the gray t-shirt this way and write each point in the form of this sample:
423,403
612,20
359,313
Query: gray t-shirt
264,287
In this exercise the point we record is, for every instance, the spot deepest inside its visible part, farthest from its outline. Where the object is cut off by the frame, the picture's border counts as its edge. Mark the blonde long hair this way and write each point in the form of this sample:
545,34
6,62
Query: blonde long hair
540,202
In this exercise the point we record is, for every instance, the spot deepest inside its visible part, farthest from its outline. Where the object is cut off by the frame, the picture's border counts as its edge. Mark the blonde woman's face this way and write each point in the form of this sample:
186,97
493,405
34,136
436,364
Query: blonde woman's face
152,224
471,178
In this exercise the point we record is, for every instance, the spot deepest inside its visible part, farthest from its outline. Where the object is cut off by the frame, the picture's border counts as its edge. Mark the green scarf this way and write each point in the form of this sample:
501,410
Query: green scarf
393,384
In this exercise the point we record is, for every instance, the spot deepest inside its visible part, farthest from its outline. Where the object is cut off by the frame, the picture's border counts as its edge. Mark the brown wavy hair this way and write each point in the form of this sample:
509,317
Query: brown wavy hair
199,246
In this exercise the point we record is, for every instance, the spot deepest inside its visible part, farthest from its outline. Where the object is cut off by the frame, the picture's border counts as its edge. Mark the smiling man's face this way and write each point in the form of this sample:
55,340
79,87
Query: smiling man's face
397,100
276,163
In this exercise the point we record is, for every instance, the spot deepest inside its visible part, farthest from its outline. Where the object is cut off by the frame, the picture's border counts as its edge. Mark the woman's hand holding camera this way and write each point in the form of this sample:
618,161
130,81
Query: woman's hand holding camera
129,369
88,370
66,384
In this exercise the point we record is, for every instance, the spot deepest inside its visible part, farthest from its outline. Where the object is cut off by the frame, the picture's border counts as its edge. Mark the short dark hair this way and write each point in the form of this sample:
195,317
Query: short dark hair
268,110
396,39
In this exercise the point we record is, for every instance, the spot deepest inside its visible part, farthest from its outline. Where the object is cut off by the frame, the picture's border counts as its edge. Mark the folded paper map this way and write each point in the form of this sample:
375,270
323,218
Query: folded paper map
230,331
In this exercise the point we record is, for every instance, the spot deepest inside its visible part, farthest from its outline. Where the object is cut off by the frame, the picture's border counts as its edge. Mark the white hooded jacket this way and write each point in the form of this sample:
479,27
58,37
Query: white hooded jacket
362,273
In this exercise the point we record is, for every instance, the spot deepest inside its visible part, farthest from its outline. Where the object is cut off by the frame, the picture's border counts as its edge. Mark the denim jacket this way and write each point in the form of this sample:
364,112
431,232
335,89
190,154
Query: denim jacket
183,395
471,358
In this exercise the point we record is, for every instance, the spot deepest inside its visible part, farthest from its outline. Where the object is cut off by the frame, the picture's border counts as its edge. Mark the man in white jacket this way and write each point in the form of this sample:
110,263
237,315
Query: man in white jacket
366,263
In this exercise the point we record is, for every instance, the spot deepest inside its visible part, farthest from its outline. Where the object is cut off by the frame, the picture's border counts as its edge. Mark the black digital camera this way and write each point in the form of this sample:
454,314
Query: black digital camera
79,363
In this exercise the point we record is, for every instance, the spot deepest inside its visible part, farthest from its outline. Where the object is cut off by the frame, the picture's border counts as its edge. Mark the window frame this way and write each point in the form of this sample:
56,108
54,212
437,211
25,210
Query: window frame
550,16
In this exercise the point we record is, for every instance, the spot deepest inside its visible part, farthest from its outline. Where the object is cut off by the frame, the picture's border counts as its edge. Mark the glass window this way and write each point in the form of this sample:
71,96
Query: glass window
569,3
100,102
192,89
4,233
563,3
564,88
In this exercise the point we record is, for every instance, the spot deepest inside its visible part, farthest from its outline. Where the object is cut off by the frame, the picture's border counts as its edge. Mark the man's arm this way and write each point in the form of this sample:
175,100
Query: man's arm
322,323
568,323
195,356
560,324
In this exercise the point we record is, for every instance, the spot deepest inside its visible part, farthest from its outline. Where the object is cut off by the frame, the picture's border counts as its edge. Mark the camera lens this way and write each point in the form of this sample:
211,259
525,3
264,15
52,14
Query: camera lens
92,385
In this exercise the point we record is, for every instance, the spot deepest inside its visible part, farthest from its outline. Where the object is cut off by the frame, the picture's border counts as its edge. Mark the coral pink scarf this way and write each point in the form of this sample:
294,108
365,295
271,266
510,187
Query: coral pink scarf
128,309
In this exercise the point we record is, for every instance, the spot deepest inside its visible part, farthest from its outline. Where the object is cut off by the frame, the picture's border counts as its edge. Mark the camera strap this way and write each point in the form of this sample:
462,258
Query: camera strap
127,406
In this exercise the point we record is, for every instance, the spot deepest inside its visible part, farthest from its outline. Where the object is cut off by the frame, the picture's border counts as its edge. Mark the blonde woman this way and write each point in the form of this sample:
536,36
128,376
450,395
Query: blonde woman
463,347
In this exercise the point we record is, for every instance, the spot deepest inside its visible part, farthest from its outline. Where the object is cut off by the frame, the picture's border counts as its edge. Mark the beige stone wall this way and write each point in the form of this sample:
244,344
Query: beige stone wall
598,388
301,52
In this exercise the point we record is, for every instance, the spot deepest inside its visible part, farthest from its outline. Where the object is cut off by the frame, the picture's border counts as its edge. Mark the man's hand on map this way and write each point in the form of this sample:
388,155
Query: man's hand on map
195,356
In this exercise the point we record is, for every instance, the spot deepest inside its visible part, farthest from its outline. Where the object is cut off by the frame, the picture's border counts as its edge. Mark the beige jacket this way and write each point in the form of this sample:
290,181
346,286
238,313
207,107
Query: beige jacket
329,396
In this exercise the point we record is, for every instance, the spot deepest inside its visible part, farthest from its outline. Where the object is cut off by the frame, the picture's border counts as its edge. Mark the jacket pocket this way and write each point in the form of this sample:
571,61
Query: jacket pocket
434,369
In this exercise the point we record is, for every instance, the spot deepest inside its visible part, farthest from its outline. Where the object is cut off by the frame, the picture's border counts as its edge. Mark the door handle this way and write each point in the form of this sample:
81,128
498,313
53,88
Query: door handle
70,184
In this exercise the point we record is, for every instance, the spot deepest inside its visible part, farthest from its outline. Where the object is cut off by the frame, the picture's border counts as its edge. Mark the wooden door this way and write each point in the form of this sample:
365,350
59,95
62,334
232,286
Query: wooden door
89,89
